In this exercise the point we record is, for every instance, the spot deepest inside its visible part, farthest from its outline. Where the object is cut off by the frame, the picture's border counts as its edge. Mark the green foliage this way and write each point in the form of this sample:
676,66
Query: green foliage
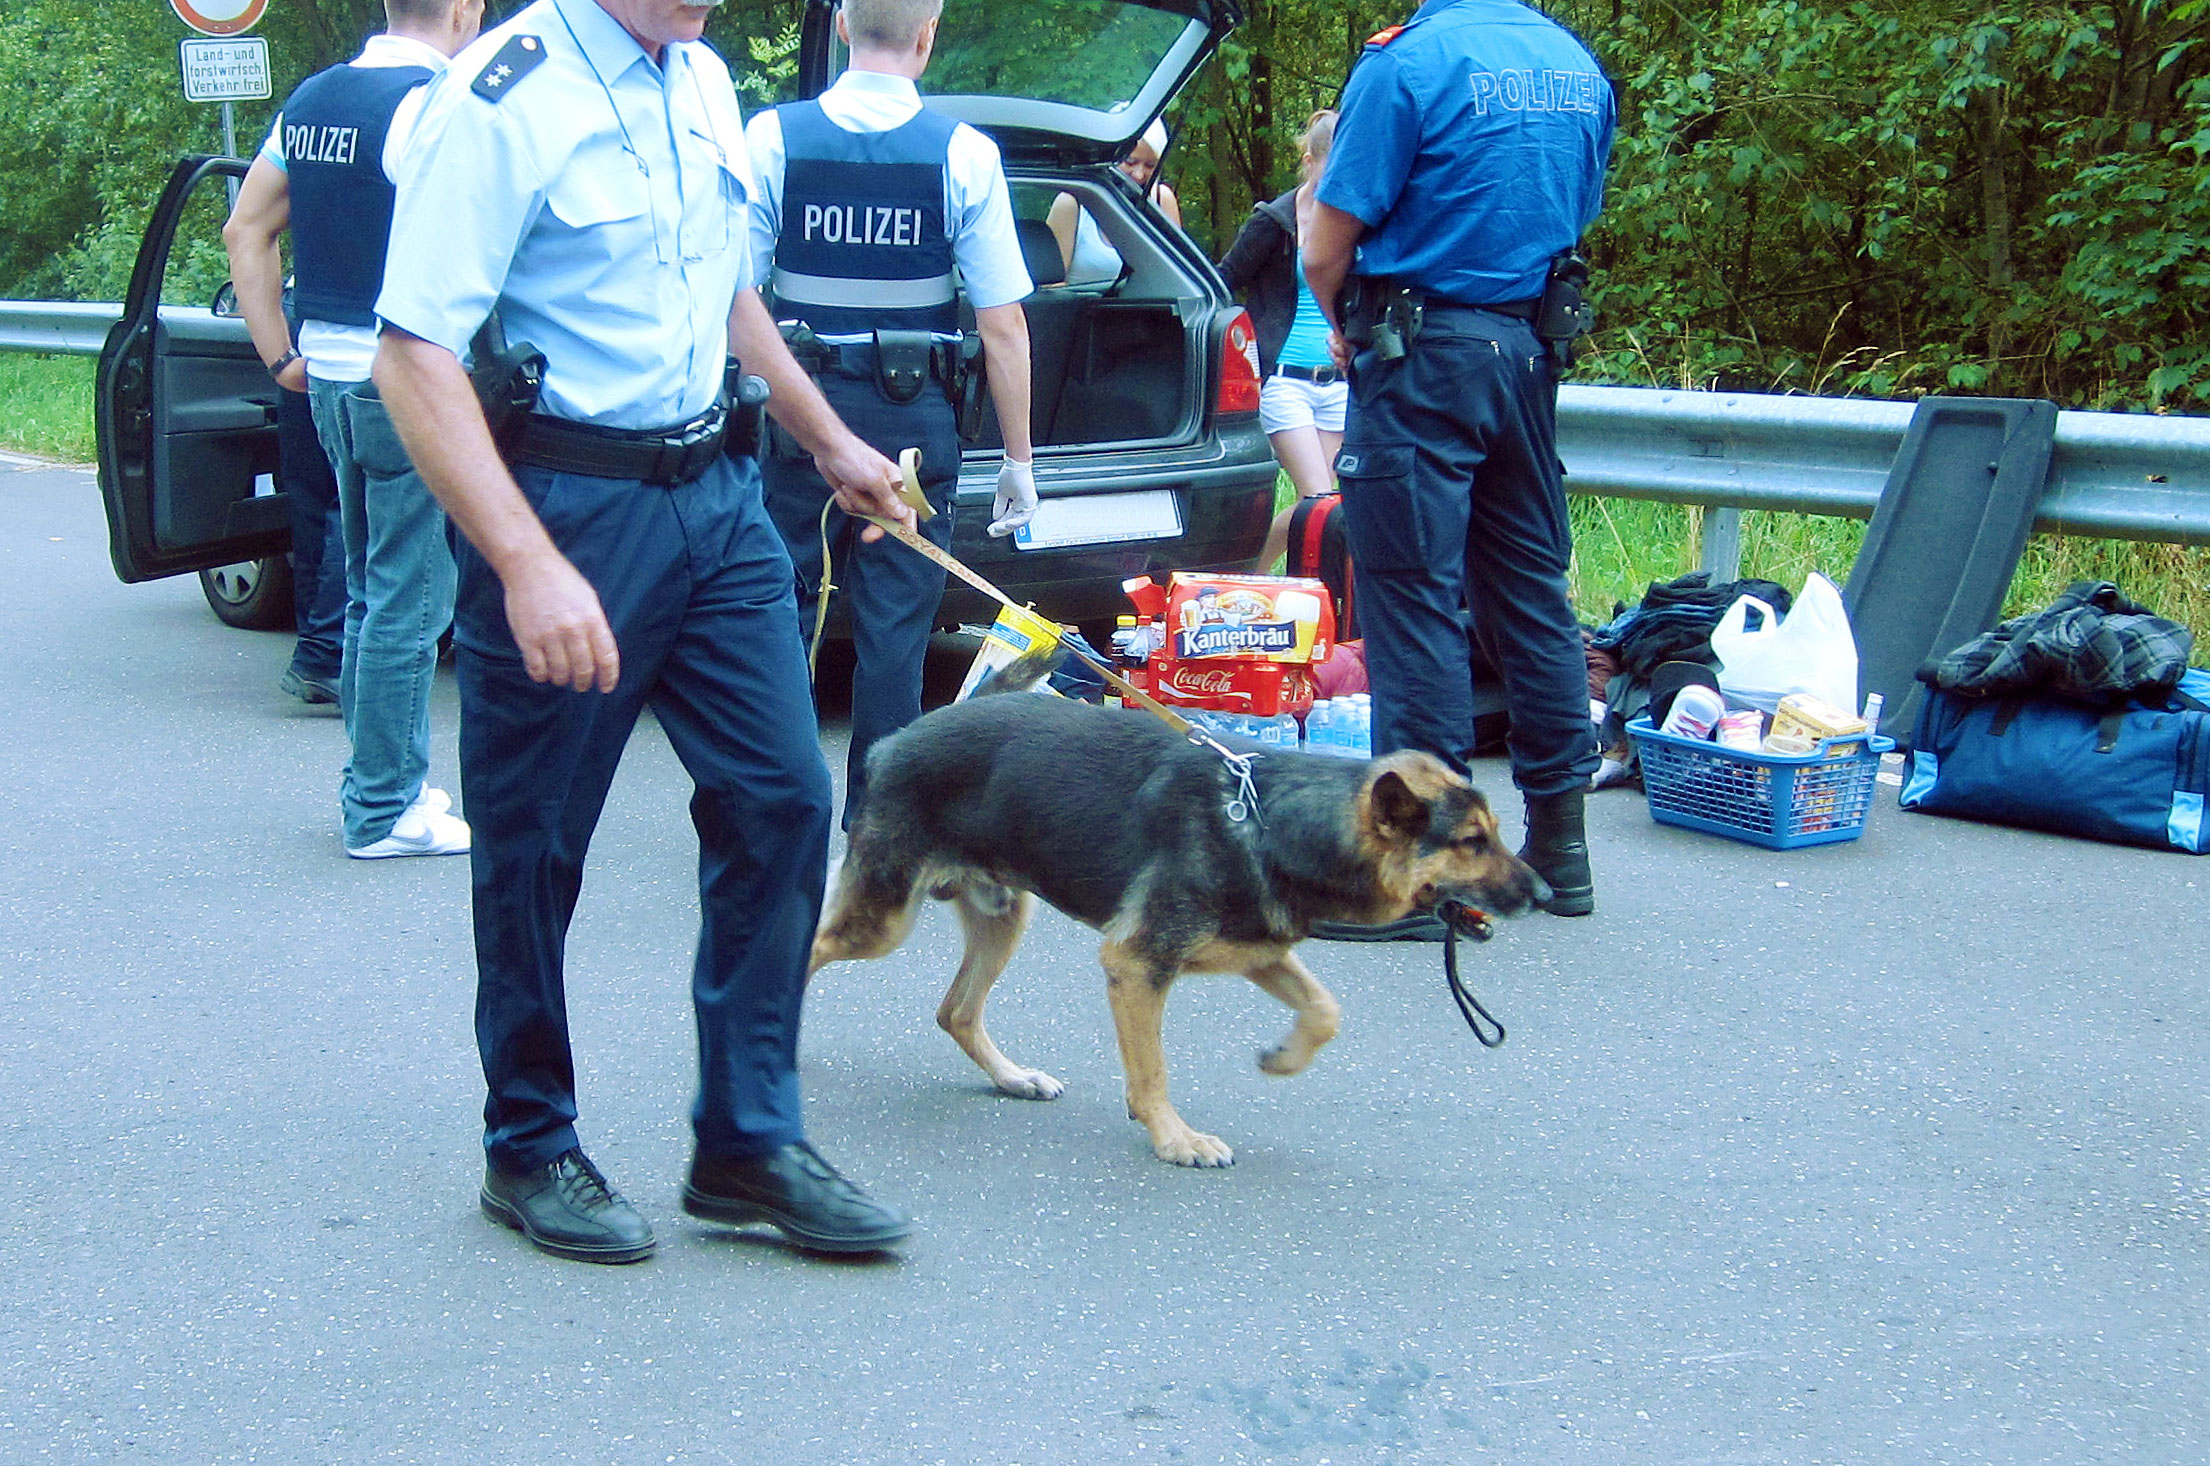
48,406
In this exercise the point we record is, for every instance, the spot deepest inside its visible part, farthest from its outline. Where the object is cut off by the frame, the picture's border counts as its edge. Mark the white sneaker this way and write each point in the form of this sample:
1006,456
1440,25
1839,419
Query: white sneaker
418,831
435,801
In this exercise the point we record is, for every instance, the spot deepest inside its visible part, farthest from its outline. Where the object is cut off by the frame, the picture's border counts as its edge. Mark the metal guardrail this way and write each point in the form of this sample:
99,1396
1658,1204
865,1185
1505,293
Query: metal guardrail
2131,476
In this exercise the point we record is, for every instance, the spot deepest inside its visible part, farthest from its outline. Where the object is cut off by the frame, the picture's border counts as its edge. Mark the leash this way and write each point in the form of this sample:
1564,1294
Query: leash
1459,917
1242,805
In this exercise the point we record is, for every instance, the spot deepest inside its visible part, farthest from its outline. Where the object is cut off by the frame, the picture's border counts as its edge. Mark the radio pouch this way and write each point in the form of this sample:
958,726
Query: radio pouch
902,363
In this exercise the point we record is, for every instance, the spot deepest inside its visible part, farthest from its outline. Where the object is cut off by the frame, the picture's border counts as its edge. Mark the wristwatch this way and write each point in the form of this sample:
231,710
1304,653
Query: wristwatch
276,367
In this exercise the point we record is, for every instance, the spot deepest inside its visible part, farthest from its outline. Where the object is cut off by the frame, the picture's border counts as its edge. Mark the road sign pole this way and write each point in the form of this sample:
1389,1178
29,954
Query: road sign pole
230,150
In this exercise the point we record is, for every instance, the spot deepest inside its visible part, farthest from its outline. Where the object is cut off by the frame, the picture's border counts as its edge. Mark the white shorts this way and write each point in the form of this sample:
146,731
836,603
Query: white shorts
1290,402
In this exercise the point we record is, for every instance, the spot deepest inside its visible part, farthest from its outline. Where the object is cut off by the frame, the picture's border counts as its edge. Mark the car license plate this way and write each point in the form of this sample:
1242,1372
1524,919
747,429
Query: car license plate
1102,519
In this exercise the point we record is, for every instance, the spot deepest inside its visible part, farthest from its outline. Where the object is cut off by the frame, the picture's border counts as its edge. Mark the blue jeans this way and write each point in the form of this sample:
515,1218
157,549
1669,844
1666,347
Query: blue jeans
399,599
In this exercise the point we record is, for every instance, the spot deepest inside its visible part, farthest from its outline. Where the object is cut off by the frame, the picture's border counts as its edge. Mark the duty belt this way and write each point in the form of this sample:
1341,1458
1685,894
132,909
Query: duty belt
662,456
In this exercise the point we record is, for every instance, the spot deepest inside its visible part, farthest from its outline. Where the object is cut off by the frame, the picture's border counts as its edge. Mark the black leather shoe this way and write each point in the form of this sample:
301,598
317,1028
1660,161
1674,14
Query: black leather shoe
1421,926
568,1210
797,1191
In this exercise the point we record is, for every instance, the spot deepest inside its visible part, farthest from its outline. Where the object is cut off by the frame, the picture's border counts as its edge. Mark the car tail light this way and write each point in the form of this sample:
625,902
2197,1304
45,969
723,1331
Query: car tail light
1238,366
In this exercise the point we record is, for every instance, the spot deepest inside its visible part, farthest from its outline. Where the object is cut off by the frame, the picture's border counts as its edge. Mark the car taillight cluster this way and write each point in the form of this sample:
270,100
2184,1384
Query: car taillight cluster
1239,375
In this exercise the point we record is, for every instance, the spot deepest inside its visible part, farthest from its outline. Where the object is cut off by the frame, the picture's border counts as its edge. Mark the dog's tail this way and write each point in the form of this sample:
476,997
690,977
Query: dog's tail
1024,673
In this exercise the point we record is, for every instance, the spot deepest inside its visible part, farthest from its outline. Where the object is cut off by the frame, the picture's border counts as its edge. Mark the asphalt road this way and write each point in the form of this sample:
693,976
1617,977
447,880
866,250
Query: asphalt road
1885,1152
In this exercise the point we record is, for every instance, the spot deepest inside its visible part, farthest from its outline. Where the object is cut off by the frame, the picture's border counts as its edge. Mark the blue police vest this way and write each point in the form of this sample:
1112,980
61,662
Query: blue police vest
334,131
863,244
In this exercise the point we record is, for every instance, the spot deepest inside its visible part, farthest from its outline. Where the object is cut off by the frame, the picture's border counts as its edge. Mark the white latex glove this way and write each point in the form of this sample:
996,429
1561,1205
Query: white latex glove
1016,501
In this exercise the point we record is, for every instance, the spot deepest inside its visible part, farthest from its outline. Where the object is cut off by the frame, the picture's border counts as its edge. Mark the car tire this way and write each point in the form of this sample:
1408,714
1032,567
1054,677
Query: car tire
255,595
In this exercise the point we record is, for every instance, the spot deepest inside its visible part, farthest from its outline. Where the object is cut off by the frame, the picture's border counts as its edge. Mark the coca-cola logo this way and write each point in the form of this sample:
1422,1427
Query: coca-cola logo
1201,681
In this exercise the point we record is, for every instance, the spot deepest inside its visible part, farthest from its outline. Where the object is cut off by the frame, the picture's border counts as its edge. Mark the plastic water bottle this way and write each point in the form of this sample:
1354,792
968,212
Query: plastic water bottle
1318,733
1362,728
1280,730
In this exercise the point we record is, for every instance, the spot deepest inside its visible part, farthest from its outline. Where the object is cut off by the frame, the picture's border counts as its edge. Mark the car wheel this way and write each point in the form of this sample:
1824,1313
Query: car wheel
255,595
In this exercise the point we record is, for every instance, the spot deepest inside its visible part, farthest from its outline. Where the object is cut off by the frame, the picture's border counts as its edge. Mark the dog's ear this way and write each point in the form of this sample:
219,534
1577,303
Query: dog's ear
1398,809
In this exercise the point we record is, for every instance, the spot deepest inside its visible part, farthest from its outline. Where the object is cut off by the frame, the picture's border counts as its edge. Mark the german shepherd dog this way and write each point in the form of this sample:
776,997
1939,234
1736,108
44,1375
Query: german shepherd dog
1125,825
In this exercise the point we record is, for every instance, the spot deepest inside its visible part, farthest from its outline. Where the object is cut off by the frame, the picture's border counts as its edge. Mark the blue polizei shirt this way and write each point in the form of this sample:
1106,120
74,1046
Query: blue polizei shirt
599,200
1472,142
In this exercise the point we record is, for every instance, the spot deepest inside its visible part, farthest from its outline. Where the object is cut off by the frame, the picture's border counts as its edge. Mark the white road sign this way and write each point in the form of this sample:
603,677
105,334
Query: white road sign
225,71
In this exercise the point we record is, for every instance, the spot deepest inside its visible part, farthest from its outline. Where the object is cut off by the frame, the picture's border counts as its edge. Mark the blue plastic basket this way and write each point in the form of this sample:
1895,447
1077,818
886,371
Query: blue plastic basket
1777,800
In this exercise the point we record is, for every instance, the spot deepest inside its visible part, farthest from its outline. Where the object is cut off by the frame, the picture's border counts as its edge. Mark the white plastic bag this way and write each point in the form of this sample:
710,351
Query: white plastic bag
1811,651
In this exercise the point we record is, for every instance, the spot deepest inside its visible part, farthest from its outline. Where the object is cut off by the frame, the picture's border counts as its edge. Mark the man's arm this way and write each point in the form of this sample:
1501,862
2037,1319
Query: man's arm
252,238
1004,331
1329,244
865,483
554,613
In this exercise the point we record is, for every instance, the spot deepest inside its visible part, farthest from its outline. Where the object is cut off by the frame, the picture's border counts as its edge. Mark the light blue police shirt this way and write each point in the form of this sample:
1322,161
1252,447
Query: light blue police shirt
1472,143
978,209
600,203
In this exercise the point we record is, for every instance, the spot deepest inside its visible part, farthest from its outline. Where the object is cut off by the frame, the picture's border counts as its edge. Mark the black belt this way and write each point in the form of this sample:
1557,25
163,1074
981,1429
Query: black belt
1319,376
1522,309
663,456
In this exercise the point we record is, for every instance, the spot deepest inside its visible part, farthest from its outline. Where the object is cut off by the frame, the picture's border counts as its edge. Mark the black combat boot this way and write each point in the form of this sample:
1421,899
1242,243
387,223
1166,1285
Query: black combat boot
1557,847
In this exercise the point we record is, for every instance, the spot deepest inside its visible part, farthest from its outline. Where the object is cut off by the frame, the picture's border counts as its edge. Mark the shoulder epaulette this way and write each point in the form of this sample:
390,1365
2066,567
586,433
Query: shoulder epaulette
1383,37
520,56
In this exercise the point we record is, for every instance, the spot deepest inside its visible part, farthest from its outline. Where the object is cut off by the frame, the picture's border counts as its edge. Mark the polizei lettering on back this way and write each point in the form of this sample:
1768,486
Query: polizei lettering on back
861,224
1535,91
321,144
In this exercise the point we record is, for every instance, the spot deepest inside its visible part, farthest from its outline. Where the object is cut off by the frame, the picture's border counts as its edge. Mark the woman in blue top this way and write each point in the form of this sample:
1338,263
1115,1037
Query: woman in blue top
1302,401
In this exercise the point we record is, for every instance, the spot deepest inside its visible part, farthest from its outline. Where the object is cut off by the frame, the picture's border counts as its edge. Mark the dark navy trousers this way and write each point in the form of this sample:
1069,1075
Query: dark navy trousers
697,588
890,592
1453,496
318,542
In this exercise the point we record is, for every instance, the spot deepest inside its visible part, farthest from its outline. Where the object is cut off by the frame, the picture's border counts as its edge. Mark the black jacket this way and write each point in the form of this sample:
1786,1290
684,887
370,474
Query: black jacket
1261,267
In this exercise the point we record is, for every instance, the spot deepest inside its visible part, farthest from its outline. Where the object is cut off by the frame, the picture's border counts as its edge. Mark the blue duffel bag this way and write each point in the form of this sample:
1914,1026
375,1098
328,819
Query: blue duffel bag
2133,774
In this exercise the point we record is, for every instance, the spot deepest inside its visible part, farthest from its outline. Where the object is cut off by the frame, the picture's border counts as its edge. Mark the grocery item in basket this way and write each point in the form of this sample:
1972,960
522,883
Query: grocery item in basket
1789,745
1814,718
1696,710
1744,730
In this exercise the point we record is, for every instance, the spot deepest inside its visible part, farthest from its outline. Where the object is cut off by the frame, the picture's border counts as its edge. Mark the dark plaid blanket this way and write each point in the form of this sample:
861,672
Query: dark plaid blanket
2090,644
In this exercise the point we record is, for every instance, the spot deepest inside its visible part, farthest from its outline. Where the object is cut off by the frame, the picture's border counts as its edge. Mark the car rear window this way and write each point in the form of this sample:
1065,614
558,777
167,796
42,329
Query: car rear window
1095,54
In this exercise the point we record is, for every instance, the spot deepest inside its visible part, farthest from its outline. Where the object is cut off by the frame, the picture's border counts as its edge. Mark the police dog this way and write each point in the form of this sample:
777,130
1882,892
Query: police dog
1125,825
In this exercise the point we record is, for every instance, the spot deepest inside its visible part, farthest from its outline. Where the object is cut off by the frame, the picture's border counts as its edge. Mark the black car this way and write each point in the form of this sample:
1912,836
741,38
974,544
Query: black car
1149,454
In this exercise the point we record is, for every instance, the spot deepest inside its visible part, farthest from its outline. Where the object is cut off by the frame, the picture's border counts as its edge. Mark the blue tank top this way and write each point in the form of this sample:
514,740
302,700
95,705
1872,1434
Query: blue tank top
1306,345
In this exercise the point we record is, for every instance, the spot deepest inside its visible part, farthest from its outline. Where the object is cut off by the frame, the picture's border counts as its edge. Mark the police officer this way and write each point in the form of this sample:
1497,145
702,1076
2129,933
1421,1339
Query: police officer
1468,158
867,202
586,175
326,173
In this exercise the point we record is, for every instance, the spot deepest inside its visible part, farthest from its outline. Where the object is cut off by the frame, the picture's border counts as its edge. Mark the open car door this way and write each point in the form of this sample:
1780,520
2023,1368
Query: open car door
184,411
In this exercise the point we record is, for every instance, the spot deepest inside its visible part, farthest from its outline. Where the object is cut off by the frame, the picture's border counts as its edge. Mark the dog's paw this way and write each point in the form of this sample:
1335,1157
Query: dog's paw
1030,1084
1192,1149
1284,1059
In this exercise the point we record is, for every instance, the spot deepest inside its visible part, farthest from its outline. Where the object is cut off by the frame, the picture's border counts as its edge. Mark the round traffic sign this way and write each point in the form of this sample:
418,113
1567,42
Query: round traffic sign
219,17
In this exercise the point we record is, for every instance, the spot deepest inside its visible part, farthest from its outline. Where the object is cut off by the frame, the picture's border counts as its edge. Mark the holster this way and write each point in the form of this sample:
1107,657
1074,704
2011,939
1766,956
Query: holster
507,380
1379,313
747,396
1563,314
961,369
902,363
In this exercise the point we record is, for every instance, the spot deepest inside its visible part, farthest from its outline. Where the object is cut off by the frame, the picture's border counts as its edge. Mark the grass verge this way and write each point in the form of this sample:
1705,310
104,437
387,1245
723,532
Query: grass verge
46,405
